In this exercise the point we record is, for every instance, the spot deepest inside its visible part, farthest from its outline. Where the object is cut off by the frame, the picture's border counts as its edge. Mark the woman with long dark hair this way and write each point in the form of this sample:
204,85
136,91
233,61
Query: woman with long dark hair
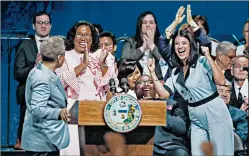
194,78
144,44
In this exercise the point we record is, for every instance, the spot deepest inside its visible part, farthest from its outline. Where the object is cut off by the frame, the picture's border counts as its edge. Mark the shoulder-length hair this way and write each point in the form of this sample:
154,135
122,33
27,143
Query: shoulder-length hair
137,37
127,67
194,49
69,42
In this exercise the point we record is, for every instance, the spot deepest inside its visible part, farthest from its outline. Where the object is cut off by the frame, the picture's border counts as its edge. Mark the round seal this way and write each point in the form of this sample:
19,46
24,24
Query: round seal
122,113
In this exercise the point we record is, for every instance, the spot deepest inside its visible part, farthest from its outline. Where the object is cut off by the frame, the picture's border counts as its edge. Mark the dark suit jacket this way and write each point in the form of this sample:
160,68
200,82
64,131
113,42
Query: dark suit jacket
239,122
24,61
233,99
129,51
173,135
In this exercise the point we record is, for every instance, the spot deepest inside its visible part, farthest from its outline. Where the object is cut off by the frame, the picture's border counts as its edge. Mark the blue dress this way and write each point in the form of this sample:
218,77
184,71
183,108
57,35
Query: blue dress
210,118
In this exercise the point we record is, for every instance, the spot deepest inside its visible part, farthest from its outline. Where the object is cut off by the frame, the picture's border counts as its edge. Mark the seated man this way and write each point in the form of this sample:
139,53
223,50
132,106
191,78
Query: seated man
240,123
169,139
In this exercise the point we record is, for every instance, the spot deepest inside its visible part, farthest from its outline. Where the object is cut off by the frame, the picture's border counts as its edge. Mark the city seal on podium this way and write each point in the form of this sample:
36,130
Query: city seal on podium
122,113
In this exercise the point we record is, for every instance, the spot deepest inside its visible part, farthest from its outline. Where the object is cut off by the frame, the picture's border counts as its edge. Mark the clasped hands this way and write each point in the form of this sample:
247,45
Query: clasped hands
148,40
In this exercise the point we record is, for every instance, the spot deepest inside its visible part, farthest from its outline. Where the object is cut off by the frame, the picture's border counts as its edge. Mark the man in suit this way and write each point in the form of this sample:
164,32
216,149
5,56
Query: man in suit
25,60
171,138
45,129
225,53
239,117
240,76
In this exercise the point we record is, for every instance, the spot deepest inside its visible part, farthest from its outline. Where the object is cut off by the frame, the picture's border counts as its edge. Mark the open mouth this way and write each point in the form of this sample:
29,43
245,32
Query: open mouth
146,90
181,52
83,44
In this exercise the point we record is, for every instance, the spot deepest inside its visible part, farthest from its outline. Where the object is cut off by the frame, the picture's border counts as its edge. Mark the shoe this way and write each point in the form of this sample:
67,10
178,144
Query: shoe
18,145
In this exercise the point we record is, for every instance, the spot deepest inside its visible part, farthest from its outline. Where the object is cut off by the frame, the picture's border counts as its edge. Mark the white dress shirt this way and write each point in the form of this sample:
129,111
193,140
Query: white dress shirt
38,41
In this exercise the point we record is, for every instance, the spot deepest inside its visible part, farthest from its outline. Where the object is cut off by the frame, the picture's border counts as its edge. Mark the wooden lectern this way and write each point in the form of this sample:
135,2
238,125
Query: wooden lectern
139,141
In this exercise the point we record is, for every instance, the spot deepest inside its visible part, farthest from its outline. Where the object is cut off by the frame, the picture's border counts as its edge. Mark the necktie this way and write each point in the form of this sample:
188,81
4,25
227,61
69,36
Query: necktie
240,99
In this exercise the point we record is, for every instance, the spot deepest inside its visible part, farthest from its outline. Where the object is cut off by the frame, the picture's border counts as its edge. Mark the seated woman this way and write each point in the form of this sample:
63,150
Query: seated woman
130,69
144,44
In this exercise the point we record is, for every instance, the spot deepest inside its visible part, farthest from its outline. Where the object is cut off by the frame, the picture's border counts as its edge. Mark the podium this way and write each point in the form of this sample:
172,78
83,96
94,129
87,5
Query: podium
90,114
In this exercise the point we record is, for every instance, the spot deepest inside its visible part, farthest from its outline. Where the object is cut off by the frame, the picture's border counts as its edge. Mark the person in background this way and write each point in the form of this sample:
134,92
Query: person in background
225,53
171,138
98,28
143,45
195,78
45,129
107,41
239,117
130,69
241,48
240,78
25,60
201,21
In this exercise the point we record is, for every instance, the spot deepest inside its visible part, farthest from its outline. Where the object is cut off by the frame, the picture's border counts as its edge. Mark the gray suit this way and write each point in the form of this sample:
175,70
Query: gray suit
45,97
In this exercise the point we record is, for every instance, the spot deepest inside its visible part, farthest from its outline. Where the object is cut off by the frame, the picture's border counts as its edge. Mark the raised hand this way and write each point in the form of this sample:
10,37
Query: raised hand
103,56
178,19
179,15
86,56
149,37
190,20
151,65
205,51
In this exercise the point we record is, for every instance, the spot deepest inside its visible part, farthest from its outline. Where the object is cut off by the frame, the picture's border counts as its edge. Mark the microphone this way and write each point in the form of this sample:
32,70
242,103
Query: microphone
124,84
246,69
112,86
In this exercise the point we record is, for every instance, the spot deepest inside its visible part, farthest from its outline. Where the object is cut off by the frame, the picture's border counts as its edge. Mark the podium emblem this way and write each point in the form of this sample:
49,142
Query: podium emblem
122,113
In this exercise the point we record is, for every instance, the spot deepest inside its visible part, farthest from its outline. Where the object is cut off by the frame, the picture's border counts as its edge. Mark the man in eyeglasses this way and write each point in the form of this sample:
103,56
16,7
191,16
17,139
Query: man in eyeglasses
225,53
171,138
238,70
25,60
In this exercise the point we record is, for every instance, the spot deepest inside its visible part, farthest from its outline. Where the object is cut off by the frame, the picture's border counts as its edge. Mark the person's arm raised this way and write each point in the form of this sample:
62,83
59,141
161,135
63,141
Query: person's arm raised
218,76
162,92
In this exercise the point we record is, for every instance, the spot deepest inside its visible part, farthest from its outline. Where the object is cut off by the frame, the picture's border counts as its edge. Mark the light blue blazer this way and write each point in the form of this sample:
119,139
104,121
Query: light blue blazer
45,97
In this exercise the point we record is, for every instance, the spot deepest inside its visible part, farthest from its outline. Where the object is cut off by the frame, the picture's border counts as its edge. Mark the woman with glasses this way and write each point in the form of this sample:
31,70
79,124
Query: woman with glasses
83,75
194,78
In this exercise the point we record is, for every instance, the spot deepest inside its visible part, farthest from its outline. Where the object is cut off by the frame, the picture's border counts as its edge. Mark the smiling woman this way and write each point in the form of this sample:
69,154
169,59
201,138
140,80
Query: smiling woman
82,75
195,78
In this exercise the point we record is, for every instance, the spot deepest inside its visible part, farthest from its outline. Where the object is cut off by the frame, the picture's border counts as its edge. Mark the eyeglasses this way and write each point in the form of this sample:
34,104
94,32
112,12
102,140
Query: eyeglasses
144,82
43,22
78,35
238,66
107,44
230,57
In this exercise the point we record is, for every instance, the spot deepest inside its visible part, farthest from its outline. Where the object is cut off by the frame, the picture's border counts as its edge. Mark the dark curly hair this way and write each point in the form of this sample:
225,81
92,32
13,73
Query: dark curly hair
69,43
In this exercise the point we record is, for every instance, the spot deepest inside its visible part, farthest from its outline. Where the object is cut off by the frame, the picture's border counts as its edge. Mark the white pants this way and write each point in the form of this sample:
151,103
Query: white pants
74,147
